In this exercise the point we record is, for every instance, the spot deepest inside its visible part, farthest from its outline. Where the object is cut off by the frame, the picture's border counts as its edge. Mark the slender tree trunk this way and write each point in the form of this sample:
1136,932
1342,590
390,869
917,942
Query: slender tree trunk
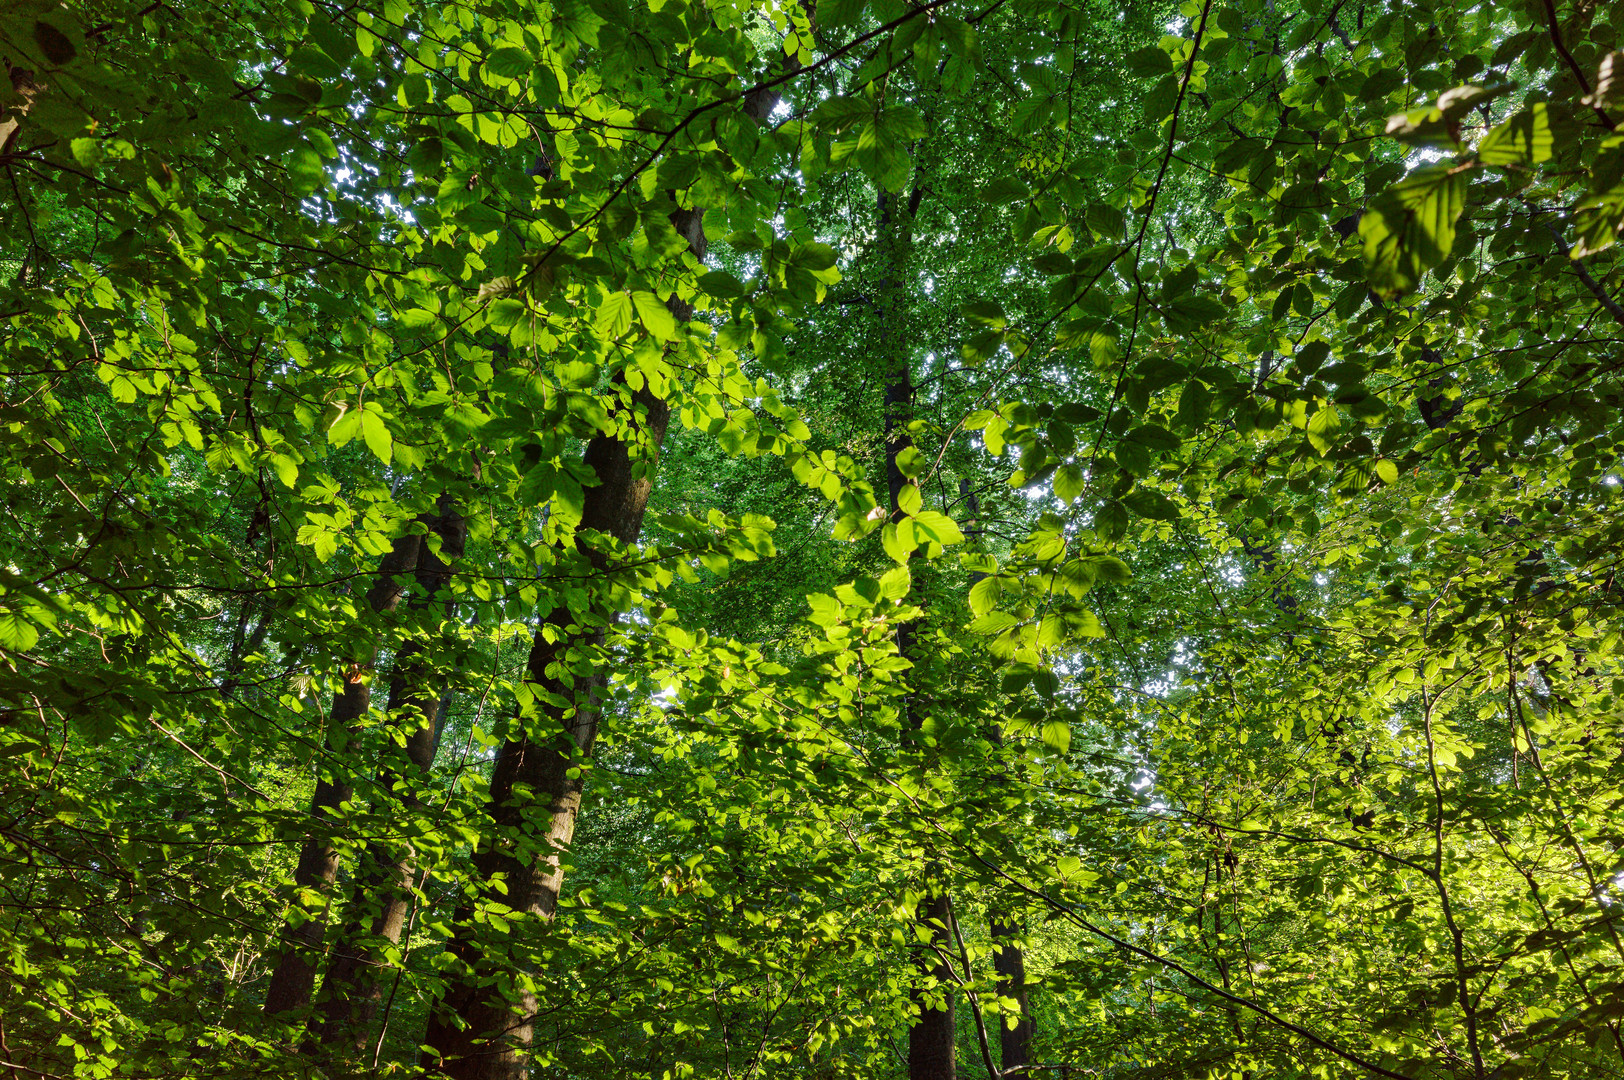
932,1054
383,892
294,977
1009,960
245,644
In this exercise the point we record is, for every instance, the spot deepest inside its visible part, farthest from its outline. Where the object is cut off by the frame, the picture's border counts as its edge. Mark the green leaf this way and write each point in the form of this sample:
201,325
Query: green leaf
1609,91
1155,437
837,13
614,316
938,526
1411,228
505,312
910,462
1386,471
1323,428
1151,504
1237,155
985,312
1005,189
1597,221
1133,457
1439,124
1075,412
721,283
346,427
1160,100
1193,313
322,541
1104,220
825,609
1523,139
813,256
16,633
1148,62
376,434
984,596
305,173
1381,83
54,45
895,583
993,622
1195,401
835,114
1057,735
1068,483
899,540
87,152
656,317
508,63
287,470
909,499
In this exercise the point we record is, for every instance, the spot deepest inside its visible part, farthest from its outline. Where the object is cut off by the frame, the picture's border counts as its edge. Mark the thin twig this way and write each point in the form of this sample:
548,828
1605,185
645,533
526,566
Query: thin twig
993,1072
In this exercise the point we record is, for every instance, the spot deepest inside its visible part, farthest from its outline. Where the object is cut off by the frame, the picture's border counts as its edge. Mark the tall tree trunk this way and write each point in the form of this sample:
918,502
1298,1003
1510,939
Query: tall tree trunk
1014,1043
932,1054
1009,960
294,977
477,1030
384,890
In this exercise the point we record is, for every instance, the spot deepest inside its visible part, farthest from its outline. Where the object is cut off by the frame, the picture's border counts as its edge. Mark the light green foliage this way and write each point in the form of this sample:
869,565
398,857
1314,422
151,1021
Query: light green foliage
1256,526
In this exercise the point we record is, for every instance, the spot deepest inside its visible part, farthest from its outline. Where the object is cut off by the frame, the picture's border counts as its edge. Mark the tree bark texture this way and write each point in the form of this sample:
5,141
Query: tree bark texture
1014,1043
383,894
294,978
477,1031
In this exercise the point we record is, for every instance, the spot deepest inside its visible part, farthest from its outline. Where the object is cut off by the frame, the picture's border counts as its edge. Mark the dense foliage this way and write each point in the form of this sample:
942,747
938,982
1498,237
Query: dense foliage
877,538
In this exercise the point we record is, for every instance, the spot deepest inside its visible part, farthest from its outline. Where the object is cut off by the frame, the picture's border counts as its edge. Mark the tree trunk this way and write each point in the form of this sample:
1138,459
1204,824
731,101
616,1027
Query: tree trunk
1009,960
1014,1043
383,893
294,977
477,1031
244,644
931,1051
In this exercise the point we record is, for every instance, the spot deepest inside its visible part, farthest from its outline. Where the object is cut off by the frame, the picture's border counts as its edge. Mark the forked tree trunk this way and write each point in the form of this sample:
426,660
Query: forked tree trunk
382,897
294,977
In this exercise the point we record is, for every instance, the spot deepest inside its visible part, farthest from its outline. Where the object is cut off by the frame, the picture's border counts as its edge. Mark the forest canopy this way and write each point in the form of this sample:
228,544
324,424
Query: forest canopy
763,538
